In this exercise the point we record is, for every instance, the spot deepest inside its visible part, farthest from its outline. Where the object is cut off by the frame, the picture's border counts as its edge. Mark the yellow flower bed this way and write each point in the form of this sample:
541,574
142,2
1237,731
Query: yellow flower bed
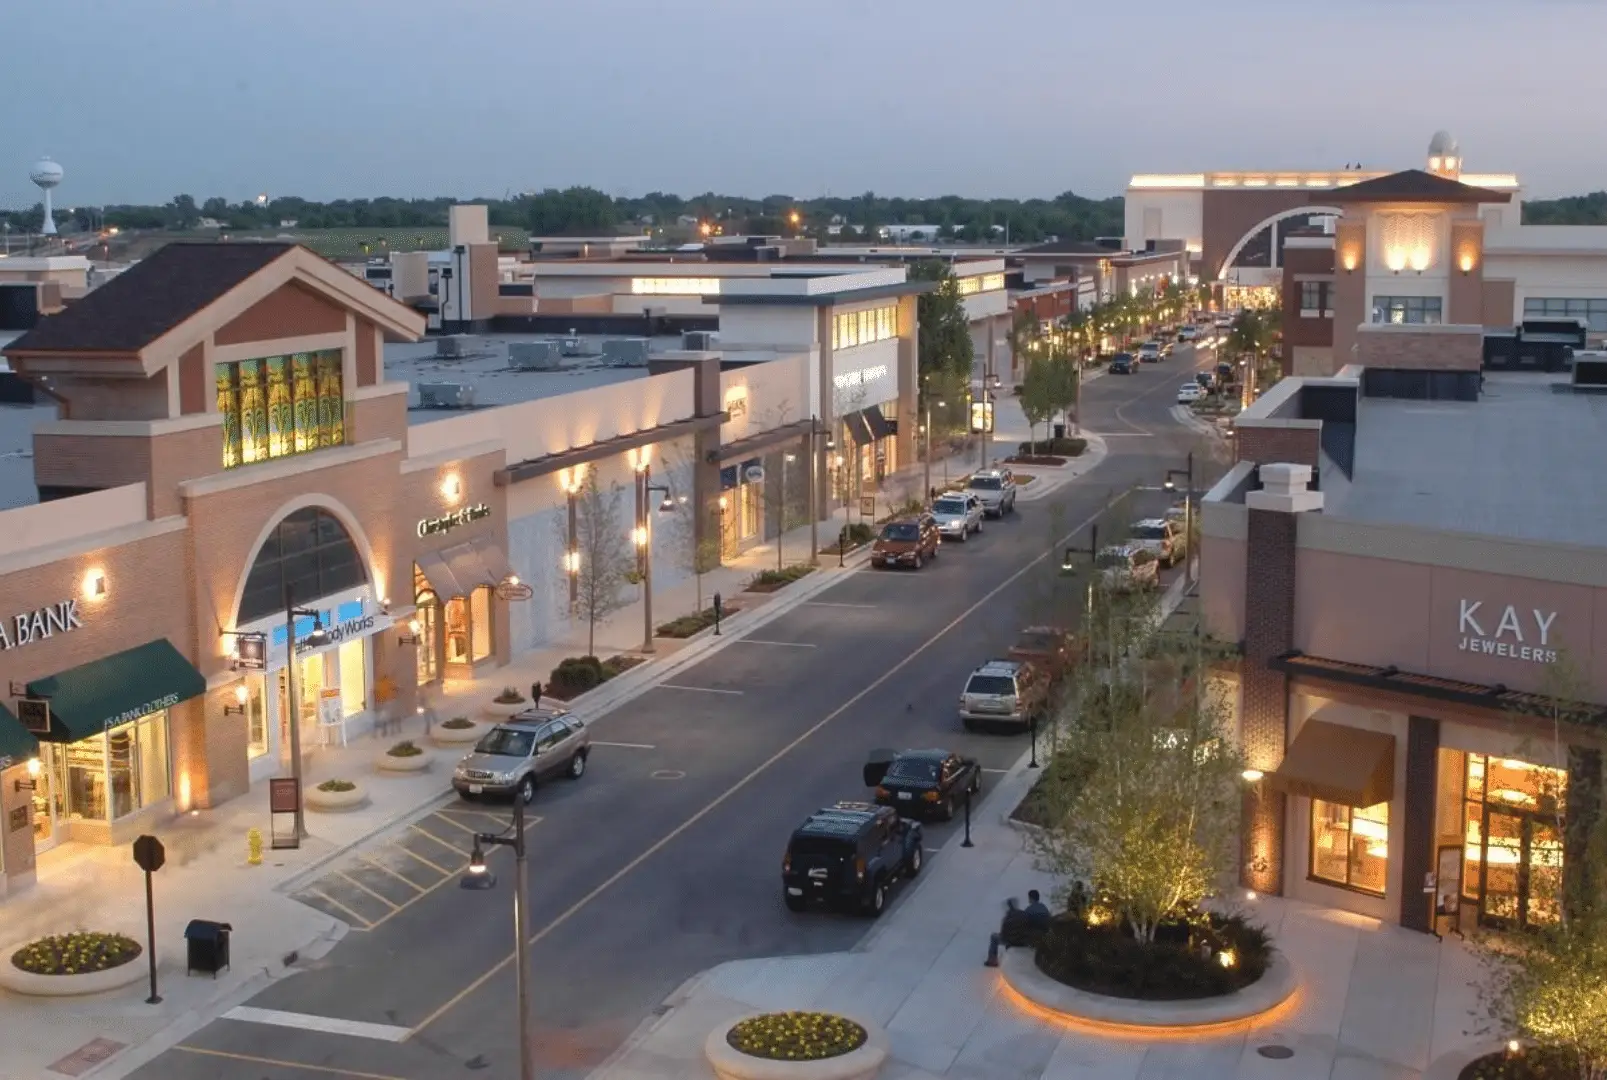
796,1036
77,953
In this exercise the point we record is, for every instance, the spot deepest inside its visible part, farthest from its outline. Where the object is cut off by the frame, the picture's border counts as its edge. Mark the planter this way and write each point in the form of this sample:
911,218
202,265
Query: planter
335,801
445,736
390,763
730,1063
17,981
502,710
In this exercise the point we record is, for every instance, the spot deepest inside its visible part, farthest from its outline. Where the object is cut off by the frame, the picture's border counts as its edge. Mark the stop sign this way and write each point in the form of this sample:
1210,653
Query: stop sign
149,855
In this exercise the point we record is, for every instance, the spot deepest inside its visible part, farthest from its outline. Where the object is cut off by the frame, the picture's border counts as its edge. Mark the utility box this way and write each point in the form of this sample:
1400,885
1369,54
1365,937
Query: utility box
207,946
625,352
534,356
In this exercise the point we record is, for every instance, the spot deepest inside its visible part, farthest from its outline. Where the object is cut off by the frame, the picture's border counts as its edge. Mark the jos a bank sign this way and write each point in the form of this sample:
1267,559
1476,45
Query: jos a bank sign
1510,632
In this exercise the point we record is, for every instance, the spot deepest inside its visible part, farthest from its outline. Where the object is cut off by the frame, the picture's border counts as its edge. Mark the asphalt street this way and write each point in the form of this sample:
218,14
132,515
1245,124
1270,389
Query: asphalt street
665,858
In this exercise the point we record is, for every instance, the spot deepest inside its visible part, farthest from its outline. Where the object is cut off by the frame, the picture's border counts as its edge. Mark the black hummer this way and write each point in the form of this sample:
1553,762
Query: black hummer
849,855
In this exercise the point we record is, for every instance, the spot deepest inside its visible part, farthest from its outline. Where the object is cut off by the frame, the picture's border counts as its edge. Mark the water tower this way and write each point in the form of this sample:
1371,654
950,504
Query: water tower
46,174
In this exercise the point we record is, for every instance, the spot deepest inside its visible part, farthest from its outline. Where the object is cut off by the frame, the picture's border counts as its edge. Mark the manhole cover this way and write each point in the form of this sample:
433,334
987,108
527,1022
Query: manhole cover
1276,1053
668,774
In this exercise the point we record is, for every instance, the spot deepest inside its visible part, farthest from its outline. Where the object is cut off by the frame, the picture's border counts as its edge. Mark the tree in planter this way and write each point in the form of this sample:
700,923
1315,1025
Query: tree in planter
1038,390
607,560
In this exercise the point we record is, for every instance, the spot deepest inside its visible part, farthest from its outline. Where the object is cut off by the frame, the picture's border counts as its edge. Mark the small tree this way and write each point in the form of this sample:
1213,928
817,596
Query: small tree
607,561
1038,390
944,341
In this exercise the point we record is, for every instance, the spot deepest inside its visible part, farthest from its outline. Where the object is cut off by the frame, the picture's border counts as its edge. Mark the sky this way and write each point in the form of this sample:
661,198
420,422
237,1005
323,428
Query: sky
140,100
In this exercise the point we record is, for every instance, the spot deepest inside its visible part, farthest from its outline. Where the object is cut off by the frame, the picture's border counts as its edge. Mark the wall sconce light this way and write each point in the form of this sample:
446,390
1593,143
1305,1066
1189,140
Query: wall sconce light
1395,259
639,536
385,605
1252,776
241,695
452,487
412,635
724,503
32,783
572,562
1349,260
1466,263
95,585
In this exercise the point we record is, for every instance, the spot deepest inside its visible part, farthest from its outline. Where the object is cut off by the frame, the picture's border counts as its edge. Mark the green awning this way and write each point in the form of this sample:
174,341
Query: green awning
16,742
88,699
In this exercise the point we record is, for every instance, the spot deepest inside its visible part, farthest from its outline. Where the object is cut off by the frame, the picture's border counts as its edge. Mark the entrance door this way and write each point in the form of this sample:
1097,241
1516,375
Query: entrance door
1520,883
49,809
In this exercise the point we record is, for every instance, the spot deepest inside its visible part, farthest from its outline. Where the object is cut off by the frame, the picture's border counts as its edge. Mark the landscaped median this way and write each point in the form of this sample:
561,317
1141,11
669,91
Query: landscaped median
797,1046
72,964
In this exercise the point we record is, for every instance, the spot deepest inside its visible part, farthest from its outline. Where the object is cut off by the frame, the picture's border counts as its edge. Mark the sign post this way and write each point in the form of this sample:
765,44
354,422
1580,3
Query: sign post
284,797
149,855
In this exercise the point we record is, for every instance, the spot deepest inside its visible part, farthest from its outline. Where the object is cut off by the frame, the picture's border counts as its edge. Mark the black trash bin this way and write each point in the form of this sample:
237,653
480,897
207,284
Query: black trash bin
1060,431
208,946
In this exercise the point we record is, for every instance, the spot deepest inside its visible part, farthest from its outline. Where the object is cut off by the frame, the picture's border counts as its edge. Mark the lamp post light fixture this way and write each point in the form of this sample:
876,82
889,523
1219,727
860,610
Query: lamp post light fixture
478,877
642,536
35,767
928,432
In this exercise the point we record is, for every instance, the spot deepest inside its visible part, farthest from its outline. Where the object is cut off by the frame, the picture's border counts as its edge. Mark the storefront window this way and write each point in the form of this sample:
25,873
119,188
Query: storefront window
310,553
110,776
480,611
257,744
353,679
429,627
280,405
1512,848
1350,845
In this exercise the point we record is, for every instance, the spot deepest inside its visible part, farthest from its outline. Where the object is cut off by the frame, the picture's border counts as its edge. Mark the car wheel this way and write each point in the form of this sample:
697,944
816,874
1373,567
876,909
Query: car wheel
876,902
976,785
970,724
948,808
965,534
915,861
794,903
577,767
527,790
918,560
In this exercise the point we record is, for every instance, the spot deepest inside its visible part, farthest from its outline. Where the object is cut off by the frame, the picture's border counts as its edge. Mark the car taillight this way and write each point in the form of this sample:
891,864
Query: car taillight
881,792
930,796
786,863
859,868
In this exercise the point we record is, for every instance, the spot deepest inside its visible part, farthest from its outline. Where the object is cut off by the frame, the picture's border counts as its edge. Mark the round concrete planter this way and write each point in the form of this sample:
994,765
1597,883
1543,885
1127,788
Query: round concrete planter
1449,1066
390,763
18,981
729,1063
335,801
445,736
502,710
1265,995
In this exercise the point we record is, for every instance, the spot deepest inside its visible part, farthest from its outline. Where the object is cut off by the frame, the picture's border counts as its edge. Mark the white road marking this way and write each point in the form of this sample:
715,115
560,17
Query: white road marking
328,1024
996,770
828,603
788,644
625,745
698,689
1122,434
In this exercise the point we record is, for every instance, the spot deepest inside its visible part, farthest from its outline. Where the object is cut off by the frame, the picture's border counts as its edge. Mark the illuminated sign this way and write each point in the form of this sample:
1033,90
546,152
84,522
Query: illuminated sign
1516,637
849,379
39,624
445,524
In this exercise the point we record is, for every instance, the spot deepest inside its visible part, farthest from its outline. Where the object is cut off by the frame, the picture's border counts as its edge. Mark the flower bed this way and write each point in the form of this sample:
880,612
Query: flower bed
796,1046
336,795
507,703
1530,1063
1211,956
405,757
1031,810
766,581
78,953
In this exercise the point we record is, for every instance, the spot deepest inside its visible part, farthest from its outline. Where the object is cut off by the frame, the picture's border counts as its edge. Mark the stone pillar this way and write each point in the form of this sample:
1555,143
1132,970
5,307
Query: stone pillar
1417,831
1269,615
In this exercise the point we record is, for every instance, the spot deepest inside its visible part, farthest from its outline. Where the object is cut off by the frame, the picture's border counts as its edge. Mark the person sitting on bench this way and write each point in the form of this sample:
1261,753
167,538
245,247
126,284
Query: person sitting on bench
1019,927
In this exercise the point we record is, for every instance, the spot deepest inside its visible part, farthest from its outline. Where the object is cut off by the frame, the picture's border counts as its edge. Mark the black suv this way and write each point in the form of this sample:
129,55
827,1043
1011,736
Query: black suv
849,855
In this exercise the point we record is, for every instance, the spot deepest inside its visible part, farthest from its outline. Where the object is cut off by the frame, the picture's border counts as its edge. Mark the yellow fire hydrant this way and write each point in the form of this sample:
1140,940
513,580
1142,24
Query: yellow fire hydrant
254,847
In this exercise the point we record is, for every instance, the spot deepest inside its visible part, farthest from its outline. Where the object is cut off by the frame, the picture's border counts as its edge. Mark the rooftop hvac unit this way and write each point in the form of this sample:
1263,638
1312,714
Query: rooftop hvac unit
700,340
533,356
573,346
1590,373
445,395
453,346
625,352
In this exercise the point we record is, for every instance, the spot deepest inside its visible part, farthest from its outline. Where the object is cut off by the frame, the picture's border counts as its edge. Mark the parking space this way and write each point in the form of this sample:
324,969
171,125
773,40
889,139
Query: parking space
369,888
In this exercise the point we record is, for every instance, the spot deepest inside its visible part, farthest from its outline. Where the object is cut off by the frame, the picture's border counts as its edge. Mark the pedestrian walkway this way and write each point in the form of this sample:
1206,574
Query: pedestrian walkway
1375,1002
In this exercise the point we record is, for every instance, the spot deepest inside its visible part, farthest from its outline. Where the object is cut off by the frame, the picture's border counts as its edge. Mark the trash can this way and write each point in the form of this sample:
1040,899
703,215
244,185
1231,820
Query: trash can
207,946
1060,431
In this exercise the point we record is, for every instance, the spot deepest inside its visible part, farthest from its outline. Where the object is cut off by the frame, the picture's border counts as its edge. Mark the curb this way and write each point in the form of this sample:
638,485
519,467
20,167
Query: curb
655,1020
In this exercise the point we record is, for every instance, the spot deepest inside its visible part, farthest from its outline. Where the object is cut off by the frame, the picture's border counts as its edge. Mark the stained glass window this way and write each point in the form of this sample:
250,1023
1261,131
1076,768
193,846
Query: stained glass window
280,405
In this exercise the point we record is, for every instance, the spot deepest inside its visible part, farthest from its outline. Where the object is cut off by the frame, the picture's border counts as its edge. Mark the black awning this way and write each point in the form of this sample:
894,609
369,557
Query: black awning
858,428
88,699
880,426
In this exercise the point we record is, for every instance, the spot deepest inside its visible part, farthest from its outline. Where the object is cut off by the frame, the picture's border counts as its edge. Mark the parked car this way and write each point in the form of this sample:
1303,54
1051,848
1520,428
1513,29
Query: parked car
958,515
1149,352
923,782
1008,692
529,749
1190,392
1178,513
1162,539
1188,333
1127,567
1166,349
906,541
849,855
1122,364
1206,379
1051,649
995,489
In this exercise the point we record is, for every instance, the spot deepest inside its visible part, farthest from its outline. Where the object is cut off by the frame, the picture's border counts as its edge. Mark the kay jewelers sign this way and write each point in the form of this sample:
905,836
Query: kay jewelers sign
39,624
1510,632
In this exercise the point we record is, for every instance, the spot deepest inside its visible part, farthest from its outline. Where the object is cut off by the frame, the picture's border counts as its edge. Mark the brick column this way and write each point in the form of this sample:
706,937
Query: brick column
1417,831
1269,617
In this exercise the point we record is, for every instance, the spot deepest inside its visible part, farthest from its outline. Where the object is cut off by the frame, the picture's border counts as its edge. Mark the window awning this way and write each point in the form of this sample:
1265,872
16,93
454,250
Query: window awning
858,428
17,743
88,699
880,426
459,569
1338,764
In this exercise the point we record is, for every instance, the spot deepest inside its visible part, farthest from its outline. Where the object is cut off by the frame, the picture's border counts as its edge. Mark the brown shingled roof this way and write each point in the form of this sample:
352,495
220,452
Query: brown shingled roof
148,299
1413,185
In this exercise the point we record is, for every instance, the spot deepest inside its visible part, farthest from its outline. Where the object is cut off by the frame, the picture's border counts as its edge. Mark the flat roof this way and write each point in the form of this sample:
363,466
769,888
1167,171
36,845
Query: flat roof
1522,462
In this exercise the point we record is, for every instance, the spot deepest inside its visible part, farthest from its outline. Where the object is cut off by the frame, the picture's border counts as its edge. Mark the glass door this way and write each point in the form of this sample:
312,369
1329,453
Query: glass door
48,810
1520,870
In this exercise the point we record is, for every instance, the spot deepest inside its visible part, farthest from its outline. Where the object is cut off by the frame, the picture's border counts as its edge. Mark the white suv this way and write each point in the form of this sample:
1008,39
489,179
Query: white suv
958,515
995,489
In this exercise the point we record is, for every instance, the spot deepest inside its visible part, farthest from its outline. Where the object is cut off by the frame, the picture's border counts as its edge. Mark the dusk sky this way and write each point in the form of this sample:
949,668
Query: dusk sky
140,100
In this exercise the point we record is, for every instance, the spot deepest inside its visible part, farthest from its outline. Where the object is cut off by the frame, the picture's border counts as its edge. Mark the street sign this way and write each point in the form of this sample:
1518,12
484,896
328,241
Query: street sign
149,855
35,715
514,590
251,652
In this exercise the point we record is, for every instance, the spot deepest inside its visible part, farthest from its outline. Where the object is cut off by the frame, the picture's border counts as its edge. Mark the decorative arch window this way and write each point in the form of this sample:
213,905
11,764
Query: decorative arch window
311,552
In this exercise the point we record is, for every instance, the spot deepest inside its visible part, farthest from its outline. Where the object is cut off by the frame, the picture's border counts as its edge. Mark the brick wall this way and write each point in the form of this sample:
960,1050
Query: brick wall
1265,445
1432,348
1263,725
289,311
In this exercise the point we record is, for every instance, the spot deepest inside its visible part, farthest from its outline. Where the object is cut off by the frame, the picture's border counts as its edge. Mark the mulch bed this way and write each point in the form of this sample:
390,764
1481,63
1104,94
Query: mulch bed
1106,959
1044,460
1532,1063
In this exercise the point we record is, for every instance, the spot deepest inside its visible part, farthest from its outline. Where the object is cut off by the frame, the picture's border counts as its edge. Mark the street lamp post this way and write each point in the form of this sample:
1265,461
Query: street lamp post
814,494
644,546
928,429
292,702
1188,511
479,877
781,508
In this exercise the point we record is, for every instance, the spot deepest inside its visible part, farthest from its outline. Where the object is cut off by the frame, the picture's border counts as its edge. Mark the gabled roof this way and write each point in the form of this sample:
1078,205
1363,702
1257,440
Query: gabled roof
150,298
1413,185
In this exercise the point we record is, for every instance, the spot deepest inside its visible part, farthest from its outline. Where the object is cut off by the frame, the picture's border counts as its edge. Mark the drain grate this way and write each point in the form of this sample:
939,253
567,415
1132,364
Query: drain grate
1275,1052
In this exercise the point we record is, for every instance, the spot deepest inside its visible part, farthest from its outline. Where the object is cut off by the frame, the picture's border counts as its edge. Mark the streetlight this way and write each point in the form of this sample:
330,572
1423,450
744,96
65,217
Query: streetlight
292,702
941,405
781,507
642,536
478,877
1188,511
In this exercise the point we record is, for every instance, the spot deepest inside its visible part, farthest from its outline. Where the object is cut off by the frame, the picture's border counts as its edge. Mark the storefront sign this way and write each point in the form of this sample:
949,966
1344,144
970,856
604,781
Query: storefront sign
31,626
851,379
435,526
736,401
1516,635
18,818
351,628
166,701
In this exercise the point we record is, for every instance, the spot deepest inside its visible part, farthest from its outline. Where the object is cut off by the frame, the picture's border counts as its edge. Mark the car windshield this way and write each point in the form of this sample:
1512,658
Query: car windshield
949,506
1149,532
822,846
1038,642
991,684
505,742
1113,559
985,483
904,530
922,769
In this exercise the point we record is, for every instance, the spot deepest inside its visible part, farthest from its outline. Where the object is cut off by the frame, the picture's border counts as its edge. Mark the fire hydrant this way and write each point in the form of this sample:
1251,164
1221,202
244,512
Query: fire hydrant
253,847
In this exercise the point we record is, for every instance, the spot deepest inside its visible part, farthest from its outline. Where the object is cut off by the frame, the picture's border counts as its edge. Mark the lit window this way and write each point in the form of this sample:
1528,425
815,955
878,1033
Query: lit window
1350,845
1592,311
1406,310
675,286
279,406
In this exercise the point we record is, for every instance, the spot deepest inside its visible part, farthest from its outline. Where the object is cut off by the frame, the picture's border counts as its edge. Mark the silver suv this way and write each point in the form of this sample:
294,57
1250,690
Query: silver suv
517,754
996,488
1003,692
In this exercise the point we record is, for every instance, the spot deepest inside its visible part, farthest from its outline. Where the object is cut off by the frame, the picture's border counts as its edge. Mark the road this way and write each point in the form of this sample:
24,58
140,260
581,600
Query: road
665,858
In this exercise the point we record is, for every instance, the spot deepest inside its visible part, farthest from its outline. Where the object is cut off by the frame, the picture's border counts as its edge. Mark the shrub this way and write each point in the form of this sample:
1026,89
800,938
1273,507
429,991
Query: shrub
687,625
405,748
509,696
1534,1063
1032,459
337,785
616,665
458,723
766,580
1101,956
1070,446
796,1036
77,953
858,533
574,675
